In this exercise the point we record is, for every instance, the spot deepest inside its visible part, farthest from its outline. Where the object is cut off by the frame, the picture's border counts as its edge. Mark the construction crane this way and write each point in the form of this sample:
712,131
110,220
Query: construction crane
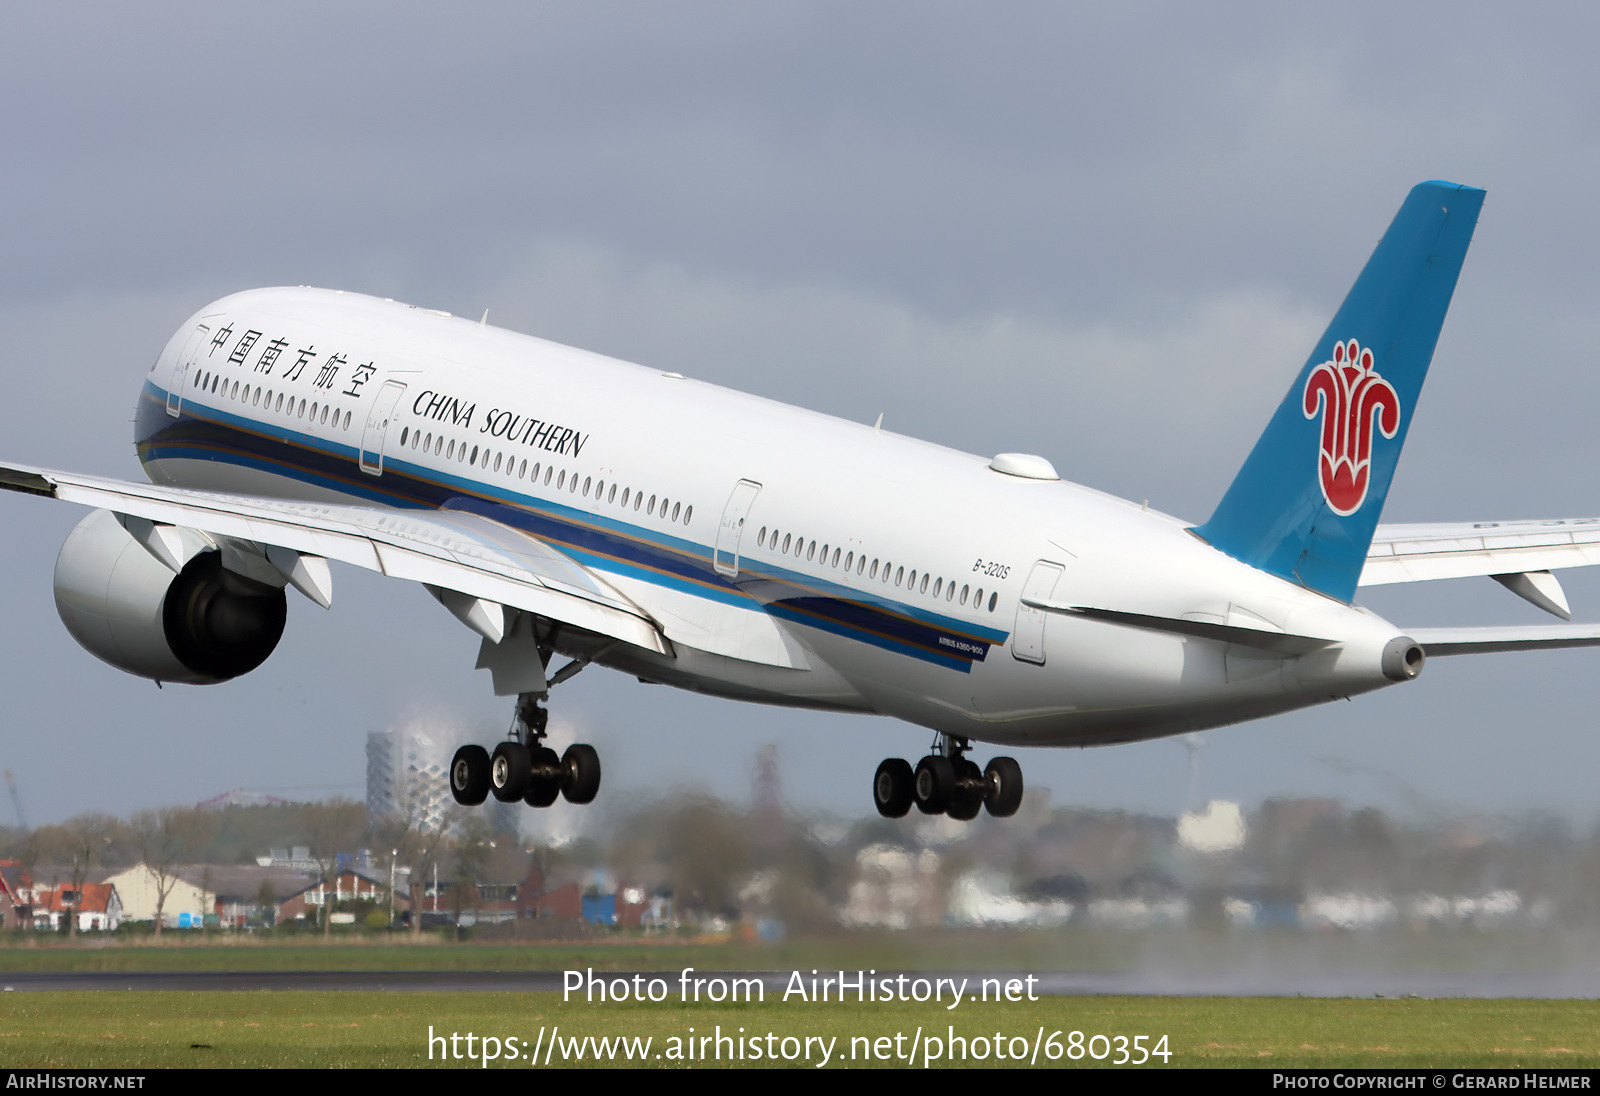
16,800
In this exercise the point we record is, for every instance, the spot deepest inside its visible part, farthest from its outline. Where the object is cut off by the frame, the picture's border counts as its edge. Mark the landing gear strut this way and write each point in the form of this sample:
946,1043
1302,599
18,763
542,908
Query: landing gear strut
946,782
523,767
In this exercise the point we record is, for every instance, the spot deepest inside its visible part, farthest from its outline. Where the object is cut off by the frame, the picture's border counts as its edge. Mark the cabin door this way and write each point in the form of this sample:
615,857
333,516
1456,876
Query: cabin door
732,527
377,427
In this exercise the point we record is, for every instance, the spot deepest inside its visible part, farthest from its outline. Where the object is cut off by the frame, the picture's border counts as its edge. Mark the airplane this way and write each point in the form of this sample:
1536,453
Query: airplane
558,502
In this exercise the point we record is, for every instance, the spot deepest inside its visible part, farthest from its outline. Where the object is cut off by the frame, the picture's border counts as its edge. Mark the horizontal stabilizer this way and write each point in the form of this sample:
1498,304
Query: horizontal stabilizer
1283,643
1423,553
1493,640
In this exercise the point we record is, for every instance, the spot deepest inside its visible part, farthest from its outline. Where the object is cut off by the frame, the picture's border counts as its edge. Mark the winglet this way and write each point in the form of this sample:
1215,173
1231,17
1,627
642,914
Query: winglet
1305,503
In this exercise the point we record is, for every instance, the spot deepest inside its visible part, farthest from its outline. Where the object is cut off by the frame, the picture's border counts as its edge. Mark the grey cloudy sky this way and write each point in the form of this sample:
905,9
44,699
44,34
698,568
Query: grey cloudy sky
1104,233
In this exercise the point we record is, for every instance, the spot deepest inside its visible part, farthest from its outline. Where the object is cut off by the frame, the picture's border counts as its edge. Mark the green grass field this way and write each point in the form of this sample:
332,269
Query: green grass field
247,1030
110,1029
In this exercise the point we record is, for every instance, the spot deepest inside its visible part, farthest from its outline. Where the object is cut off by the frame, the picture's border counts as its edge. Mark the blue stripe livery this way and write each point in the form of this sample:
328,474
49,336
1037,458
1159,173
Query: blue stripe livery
1305,503
202,432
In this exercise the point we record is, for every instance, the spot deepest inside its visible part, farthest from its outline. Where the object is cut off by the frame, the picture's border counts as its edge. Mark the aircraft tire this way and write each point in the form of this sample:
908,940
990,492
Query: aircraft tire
581,773
509,772
544,787
469,775
935,780
893,788
1004,777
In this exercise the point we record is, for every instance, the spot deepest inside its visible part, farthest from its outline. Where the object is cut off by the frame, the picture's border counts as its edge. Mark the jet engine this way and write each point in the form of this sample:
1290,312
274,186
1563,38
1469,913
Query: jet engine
124,602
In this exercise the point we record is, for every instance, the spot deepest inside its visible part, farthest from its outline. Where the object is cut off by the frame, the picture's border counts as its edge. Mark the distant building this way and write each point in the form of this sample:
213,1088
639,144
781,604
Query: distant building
407,778
186,902
349,885
95,905
16,896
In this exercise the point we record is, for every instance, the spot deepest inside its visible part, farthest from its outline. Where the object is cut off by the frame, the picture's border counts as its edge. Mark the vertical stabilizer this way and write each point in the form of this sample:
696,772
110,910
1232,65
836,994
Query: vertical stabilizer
1305,503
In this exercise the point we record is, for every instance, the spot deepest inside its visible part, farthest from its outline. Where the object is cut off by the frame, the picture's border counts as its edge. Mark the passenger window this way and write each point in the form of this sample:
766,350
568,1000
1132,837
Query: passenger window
913,582
638,500
874,567
849,561
964,590
677,508
404,433
688,512
561,480
587,480
761,538
811,551
938,587
977,598
651,509
924,588
786,538
450,453
994,597
625,491
612,497
898,575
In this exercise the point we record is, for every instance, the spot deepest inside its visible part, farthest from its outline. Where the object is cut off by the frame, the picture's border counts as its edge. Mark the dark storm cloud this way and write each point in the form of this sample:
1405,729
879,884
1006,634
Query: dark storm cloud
1077,161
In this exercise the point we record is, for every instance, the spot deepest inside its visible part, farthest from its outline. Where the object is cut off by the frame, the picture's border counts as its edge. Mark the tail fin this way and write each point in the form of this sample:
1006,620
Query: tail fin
1305,503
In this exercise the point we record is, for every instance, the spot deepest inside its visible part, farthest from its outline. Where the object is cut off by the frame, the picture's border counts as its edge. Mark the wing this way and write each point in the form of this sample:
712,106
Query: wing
475,566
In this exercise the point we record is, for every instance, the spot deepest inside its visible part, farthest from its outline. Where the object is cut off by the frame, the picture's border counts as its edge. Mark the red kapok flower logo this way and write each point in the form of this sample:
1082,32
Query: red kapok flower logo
1354,401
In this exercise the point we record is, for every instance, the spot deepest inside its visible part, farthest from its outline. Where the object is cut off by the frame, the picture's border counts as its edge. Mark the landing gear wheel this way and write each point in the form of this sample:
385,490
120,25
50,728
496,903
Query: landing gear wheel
892,788
966,797
509,772
935,779
1004,777
580,773
469,775
544,785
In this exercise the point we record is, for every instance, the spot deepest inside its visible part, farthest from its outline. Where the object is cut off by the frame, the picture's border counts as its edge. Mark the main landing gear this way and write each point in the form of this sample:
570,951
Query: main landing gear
945,782
523,767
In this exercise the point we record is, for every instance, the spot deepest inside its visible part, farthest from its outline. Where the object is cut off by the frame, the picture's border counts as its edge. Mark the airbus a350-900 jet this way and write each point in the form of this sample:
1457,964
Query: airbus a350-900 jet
560,503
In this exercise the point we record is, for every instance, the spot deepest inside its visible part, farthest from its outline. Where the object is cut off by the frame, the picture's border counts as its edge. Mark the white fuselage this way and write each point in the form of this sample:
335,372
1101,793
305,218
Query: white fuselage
837,517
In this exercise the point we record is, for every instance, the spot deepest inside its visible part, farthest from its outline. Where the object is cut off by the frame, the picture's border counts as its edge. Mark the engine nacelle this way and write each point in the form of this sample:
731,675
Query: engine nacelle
203,625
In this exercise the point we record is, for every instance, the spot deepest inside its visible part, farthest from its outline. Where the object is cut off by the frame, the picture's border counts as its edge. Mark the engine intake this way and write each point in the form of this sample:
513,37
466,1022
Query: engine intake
201,626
